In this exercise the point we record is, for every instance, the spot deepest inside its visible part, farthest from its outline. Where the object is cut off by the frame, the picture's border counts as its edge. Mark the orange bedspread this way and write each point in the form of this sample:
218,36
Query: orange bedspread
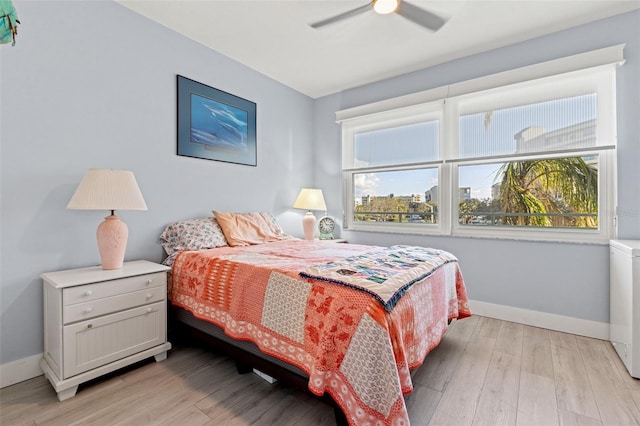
341,337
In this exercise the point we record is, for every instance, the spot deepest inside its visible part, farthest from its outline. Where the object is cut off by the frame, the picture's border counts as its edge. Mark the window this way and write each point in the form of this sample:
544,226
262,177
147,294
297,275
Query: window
528,160
389,164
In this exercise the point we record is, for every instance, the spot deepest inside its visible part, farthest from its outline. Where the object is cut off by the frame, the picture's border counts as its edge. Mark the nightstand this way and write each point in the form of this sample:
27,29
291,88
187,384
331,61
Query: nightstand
97,321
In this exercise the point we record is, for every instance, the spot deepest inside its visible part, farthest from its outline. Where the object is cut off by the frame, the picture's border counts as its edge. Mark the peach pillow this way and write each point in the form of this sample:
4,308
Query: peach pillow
243,229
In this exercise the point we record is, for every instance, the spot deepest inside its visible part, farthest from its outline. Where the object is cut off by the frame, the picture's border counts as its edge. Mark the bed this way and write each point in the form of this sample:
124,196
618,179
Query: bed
350,320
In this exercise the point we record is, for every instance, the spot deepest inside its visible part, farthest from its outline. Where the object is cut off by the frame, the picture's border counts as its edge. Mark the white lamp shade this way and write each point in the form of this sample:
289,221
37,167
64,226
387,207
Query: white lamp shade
106,189
310,199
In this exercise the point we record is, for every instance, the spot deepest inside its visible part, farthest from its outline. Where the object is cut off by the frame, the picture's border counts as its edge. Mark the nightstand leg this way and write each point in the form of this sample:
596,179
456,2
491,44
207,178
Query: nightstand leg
67,393
161,356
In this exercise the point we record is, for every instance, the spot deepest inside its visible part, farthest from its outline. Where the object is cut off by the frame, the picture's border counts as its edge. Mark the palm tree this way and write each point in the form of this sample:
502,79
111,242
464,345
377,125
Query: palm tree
559,185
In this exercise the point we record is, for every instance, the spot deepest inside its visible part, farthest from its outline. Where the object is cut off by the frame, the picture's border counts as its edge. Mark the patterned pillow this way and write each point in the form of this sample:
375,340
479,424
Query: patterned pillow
192,234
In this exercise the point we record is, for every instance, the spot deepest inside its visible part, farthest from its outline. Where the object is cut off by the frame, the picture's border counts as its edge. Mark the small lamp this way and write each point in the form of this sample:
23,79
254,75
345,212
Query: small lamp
309,199
106,189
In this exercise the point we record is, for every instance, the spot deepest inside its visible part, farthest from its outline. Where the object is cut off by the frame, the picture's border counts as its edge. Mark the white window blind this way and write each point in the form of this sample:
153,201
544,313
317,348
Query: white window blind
554,114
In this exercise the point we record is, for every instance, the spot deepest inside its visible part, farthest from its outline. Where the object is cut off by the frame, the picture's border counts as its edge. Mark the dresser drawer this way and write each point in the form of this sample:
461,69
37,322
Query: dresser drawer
86,293
94,343
108,305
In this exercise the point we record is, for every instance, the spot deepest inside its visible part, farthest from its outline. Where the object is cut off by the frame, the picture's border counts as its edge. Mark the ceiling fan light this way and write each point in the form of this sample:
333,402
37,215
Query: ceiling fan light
384,7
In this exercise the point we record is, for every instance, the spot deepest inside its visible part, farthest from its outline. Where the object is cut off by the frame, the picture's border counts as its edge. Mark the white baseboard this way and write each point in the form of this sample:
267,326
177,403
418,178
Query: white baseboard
28,368
20,370
581,327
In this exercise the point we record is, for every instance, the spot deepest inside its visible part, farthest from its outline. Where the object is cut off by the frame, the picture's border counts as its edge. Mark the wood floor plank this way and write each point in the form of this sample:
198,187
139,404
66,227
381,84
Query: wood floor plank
536,352
458,404
441,363
18,400
129,410
131,394
509,339
498,403
231,388
319,415
485,371
573,389
189,417
90,395
282,407
537,404
180,361
487,327
568,418
631,383
615,402
244,404
499,398
602,372
188,389
422,403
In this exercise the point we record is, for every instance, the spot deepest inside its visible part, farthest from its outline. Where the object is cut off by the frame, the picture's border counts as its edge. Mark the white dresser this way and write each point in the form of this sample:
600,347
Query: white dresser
96,321
624,300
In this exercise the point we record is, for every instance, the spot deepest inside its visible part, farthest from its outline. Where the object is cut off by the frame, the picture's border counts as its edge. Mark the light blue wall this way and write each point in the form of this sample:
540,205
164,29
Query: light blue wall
92,84
564,279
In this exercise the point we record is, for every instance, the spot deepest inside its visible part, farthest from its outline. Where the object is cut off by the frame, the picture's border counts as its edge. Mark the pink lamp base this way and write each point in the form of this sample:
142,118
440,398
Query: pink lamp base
309,226
112,237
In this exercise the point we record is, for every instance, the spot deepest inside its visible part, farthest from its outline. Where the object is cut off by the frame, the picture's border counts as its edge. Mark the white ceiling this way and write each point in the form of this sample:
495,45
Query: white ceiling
274,37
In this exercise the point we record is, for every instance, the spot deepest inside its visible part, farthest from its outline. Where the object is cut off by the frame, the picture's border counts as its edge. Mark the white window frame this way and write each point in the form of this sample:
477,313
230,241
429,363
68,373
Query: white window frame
420,106
396,118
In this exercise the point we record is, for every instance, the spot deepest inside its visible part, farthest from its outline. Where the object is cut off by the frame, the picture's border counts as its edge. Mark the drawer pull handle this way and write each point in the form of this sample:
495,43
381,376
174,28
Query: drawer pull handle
149,296
149,310
88,293
87,311
89,325
149,281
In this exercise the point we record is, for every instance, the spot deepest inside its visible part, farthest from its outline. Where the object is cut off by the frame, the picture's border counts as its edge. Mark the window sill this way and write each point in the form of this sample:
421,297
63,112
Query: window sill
492,234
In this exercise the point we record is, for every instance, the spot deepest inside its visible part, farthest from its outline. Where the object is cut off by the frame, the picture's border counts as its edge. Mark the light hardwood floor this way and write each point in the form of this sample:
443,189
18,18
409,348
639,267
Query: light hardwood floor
485,372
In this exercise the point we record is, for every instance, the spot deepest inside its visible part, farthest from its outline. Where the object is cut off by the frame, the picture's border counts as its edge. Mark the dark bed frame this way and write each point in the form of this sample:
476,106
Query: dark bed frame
246,355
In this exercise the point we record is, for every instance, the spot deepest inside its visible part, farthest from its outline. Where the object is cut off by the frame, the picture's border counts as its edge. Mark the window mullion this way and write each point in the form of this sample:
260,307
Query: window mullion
448,181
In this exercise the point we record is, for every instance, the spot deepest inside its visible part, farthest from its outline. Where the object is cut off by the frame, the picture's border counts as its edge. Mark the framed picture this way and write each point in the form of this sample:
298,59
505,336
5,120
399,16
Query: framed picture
215,125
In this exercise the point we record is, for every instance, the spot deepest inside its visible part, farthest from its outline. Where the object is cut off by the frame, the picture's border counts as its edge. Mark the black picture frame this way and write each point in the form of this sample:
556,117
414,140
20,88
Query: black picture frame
215,125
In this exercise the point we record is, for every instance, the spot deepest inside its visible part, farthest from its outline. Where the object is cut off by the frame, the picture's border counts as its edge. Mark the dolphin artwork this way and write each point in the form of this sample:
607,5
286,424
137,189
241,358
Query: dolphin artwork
218,125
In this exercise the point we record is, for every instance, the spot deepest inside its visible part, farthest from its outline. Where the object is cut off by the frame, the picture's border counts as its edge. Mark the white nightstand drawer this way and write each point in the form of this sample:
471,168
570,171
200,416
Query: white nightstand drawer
107,305
103,289
102,340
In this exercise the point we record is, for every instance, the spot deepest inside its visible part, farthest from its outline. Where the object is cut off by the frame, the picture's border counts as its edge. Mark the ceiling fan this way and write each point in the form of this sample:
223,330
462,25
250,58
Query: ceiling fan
413,13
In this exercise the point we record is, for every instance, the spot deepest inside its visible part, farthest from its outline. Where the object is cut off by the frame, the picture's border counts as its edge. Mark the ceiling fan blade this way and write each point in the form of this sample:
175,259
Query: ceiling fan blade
345,15
420,16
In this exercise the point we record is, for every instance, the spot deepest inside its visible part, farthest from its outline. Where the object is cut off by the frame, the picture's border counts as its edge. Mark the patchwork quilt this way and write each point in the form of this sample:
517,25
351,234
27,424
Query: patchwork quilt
386,273
356,335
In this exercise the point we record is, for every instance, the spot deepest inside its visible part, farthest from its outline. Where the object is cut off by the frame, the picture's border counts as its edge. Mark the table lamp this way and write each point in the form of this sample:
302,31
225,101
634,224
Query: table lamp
309,199
106,189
